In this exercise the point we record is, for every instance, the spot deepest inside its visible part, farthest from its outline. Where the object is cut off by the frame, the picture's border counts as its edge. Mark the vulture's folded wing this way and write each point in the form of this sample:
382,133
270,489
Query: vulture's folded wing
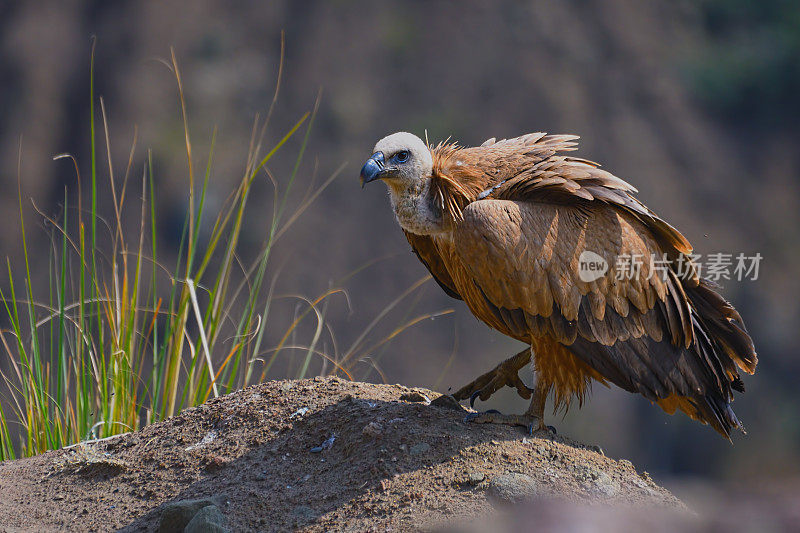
678,344
426,252
534,167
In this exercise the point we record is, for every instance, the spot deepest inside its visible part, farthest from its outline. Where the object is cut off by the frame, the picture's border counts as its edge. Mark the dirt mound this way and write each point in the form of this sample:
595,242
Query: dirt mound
319,454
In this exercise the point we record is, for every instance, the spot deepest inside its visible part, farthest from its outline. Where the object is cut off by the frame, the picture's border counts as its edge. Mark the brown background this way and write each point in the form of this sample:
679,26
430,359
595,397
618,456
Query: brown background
688,101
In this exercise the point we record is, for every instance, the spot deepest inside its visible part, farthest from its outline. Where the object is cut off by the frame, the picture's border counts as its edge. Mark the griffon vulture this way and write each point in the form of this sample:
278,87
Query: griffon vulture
502,227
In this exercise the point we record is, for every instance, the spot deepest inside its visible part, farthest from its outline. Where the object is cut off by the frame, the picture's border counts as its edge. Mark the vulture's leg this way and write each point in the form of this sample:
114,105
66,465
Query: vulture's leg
532,418
506,373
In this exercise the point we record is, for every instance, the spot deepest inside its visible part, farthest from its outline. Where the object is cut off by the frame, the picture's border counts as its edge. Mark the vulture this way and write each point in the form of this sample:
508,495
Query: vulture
510,228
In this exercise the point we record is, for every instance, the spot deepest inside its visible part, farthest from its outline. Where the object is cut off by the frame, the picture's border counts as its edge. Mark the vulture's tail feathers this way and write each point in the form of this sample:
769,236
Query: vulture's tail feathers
722,341
725,326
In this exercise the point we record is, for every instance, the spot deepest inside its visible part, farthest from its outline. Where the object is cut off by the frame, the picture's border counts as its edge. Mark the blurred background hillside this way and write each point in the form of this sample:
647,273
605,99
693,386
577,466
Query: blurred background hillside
695,103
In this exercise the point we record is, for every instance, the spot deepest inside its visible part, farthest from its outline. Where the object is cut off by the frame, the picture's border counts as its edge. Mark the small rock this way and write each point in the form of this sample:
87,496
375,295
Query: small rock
586,473
625,462
176,515
474,478
597,449
300,412
207,439
215,462
448,402
90,462
513,488
602,485
415,397
304,512
324,446
420,448
209,519
372,430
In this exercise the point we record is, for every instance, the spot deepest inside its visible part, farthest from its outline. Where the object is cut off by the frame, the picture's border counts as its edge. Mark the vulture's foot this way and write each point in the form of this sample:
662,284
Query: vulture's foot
506,373
532,424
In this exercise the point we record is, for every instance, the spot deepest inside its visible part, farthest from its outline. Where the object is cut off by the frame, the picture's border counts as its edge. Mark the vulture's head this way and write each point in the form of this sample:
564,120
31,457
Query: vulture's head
401,160
405,164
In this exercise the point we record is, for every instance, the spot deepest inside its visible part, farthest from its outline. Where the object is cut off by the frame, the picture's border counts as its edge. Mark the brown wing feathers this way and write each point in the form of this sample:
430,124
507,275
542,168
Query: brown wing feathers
531,167
425,250
513,258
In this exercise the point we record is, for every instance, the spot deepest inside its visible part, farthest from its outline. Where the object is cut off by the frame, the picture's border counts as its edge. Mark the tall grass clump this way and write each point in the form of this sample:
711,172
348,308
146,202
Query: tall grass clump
98,336
113,338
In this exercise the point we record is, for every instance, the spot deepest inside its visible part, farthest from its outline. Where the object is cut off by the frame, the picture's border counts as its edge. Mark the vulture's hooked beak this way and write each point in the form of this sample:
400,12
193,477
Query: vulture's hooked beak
373,168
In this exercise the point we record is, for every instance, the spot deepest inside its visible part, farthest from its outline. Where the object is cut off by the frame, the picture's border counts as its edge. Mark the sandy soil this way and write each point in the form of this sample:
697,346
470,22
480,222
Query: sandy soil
389,460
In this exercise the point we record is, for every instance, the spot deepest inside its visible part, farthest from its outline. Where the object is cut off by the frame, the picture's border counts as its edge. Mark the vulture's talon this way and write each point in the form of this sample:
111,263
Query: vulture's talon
541,428
522,389
472,416
473,397
504,374
531,423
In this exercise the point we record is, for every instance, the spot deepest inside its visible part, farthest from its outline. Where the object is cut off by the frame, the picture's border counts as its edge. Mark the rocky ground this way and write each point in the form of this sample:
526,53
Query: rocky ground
322,454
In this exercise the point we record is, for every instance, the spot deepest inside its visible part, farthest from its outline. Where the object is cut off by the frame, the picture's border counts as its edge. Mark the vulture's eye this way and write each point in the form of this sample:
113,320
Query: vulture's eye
402,156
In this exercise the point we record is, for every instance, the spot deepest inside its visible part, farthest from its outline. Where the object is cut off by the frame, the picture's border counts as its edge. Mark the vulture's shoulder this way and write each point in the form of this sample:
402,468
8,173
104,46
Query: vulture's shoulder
495,162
